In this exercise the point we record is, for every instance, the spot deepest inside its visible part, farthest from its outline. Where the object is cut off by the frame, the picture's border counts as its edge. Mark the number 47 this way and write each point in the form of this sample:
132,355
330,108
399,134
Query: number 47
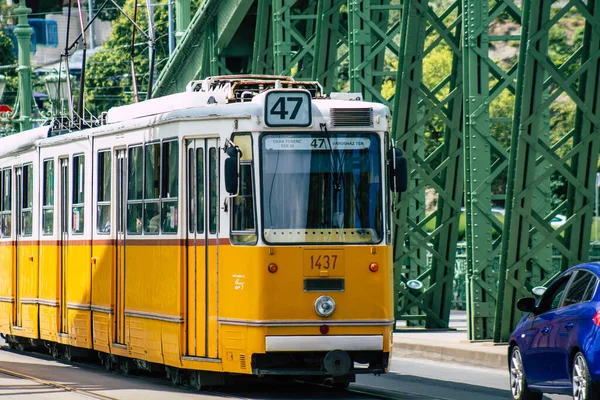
280,108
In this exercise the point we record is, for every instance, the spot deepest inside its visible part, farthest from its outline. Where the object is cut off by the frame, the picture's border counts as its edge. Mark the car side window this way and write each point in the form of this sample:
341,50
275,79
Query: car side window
553,295
556,300
591,289
578,288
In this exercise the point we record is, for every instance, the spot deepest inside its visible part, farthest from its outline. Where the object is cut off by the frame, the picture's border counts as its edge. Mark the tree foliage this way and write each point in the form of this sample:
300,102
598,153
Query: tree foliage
111,12
8,60
7,56
110,79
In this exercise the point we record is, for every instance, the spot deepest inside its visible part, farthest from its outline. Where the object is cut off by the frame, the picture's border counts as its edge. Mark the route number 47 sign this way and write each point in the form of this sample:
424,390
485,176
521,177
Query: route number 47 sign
288,108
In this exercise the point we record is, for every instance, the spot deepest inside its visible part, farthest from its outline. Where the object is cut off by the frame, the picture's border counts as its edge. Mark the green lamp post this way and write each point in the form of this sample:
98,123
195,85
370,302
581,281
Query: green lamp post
23,32
2,85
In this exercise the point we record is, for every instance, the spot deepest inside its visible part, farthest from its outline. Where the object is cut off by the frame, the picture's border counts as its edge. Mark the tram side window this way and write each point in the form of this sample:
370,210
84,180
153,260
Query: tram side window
104,181
196,199
27,201
78,197
6,202
243,215
152,189
135,177
170,186
200,190
48,198
213,185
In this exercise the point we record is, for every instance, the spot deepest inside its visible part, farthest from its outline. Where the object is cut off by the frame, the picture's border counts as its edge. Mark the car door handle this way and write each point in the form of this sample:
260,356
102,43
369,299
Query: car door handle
545,330
569,326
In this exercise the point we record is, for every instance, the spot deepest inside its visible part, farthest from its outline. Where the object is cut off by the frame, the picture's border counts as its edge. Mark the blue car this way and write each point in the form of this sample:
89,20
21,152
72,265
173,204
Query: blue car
555,348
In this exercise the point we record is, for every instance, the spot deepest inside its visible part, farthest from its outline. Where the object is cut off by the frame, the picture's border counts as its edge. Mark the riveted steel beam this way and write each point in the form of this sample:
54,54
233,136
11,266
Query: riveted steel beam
262,57
573,157
215,22
373,27
486,158
331,36
419,106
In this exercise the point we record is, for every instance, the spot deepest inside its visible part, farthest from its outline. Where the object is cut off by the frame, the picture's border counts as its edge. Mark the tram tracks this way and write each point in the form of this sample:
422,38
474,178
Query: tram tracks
56,385
249,393
93,367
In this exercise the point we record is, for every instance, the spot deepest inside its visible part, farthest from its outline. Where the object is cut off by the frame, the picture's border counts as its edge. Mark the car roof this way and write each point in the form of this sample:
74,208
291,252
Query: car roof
591,266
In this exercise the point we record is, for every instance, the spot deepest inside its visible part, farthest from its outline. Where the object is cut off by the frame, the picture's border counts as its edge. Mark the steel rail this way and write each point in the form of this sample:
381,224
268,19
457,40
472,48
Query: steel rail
56,385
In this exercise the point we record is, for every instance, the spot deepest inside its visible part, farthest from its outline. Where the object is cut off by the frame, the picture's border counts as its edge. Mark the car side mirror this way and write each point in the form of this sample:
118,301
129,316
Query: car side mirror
526,304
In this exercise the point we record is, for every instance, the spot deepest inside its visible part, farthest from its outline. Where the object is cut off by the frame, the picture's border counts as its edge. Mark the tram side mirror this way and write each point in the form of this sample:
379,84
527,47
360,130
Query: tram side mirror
398,170
232,168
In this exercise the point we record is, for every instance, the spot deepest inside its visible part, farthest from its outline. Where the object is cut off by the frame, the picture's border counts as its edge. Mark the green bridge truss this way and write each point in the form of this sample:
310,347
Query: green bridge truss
435,64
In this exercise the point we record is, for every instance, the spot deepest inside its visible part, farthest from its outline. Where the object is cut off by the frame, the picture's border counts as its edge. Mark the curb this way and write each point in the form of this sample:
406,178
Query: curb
482,354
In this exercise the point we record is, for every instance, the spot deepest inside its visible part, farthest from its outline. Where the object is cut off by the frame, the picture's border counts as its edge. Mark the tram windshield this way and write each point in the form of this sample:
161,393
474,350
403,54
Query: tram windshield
321,188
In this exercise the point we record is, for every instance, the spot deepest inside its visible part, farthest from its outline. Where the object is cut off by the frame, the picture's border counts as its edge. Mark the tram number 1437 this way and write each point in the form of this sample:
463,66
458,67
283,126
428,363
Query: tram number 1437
323,262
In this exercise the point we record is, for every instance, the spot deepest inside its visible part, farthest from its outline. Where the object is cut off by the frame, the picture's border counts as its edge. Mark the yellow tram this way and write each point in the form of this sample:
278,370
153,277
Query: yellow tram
242,227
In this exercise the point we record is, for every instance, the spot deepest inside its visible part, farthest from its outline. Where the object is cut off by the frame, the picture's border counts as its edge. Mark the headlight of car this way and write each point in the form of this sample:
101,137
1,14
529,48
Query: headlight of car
324,306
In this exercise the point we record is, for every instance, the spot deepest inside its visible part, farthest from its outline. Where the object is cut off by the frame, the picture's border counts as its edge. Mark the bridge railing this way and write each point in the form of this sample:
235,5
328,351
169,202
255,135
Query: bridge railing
459,294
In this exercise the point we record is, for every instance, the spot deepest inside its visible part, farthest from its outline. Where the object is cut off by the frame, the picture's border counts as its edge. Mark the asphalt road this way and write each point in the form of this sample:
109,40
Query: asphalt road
442,381
409,379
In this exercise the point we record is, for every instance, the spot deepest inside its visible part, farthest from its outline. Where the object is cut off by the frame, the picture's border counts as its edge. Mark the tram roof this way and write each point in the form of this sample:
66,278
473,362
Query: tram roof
211,99
14,144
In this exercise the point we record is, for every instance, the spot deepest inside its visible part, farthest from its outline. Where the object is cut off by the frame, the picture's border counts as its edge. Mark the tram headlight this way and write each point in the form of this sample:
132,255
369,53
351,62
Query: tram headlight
324,306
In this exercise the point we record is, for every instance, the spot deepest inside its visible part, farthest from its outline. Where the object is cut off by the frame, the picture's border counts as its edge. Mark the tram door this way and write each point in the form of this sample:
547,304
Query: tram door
18,231
63,243
202,229
119,290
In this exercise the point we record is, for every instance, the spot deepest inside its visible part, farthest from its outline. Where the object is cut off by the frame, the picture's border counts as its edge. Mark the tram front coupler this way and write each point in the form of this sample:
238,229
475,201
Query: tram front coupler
337,363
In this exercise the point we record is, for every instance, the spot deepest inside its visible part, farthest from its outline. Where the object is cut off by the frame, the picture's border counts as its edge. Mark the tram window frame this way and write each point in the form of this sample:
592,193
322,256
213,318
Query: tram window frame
135,190
48,197
169,190
374,137
104,192
388,197
152,182
196,201
6,203
244,236
161,205
213,187
78,194
26,208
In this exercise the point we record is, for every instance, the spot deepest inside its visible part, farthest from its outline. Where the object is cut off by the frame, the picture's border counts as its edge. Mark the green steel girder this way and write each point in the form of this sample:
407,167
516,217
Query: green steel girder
574,157
310,41
485,158
416,105
214,24
300,39
294,34
182,20
331,33
262,57
371,36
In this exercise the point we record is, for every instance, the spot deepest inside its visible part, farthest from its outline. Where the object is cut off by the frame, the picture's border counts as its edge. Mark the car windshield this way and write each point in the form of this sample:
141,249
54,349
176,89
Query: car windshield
321,188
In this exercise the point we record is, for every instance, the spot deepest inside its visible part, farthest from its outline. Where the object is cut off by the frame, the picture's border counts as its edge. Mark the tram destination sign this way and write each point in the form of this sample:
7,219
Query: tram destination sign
312,143
288,108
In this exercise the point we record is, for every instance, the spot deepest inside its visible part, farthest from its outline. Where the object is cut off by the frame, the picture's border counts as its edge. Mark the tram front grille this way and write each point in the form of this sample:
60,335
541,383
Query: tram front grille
343,117
324,285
